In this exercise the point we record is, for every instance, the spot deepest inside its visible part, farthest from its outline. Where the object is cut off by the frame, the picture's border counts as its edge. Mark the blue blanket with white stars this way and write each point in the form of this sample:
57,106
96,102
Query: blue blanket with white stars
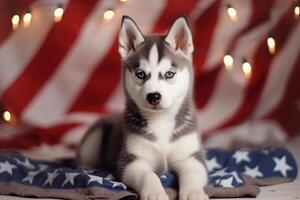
231,173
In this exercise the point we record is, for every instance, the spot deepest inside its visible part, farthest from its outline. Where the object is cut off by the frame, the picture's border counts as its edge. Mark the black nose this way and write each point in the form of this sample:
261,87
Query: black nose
153,98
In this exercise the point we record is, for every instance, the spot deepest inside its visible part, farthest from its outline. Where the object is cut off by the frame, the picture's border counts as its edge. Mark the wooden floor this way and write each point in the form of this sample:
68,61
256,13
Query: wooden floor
287,191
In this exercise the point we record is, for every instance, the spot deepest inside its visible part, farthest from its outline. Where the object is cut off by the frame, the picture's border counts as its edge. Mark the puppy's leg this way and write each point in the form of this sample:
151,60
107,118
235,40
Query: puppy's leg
141,178
88,155
192,179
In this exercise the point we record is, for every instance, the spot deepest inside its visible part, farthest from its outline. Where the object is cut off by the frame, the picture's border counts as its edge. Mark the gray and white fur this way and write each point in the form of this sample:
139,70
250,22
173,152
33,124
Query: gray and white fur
158,131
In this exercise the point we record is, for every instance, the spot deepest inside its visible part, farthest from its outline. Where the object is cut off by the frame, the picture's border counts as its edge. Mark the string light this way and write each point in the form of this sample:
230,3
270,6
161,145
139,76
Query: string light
297,11
27,19
123,1
247,69
109,14
58,13
232,13
228,62
6,116
271,45
15,20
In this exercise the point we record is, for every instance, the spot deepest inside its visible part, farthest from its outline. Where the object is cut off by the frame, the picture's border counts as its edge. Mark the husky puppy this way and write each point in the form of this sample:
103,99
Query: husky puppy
158,131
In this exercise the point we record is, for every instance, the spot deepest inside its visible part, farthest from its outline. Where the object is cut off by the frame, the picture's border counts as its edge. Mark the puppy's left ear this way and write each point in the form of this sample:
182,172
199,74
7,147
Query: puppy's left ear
179,37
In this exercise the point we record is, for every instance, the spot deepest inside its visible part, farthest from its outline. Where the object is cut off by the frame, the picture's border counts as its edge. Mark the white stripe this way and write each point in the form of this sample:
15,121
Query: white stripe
226,30
47,152
17,50
74,135
116,102
76,117
230,87
280,71
93,43
9,131
199,9
249,134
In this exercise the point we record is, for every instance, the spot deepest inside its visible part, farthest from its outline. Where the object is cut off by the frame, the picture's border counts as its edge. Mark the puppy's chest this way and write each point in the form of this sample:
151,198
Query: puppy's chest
161,152
162,129
160,148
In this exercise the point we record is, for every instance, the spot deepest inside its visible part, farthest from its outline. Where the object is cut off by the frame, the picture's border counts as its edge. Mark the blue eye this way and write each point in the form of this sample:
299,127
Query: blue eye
169,74
140,74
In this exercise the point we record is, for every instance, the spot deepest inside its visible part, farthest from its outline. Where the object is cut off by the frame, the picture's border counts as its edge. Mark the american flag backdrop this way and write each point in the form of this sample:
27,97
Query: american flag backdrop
58,76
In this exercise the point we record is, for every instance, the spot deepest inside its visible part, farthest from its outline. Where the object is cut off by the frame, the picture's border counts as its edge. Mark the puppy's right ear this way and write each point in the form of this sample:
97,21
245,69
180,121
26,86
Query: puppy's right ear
130,37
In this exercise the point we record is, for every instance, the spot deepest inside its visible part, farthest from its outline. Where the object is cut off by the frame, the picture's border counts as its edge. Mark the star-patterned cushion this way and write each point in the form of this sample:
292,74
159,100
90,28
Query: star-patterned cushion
229,172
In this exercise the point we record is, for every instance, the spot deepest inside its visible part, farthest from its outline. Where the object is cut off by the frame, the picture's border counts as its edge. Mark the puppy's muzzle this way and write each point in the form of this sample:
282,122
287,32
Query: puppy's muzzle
153,98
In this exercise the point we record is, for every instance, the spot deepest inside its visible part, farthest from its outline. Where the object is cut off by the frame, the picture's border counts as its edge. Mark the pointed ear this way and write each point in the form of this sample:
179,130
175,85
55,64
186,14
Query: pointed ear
179,37
130,37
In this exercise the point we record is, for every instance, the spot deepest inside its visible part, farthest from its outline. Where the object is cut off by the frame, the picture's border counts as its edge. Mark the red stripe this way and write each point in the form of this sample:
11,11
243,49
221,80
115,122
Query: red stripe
51,53
173,9
37,136
206,82
106,77
7,10
101,84
203,35
261,66
287,113
261,11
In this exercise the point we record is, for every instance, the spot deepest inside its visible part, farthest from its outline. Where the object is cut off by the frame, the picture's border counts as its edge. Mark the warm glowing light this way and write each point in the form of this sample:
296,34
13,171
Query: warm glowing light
271,44
6,116
27,19
109,14
123,1
247,69
232,13
297,12
58,13
228,62
15,20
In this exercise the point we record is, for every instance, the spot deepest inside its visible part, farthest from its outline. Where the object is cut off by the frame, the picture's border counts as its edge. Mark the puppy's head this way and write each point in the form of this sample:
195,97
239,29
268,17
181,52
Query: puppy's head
157,69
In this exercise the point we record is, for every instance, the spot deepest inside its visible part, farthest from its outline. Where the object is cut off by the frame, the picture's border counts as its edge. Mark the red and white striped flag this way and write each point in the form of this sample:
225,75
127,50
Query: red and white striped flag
56,78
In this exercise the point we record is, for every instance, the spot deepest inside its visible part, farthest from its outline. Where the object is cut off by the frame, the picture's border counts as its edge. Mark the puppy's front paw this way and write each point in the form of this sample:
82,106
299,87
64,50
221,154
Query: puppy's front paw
192,194
154,195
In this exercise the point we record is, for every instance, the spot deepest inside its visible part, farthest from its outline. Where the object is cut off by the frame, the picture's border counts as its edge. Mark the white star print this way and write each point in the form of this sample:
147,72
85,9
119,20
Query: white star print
281,165
110,177
236,176
30,176
50,178
117,184
42,167
240,156
163,177
95,178
265,151
70,178
220,173
253,172
226,182
213,164
85,171
6,167
26,163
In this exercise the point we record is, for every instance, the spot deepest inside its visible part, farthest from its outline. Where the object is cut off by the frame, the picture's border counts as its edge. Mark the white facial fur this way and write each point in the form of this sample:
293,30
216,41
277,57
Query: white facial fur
172,90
